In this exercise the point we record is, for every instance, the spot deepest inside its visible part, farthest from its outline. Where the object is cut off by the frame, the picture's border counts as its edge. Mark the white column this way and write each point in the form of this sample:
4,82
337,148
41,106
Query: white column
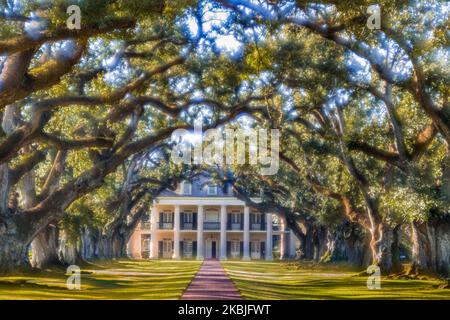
154,228
292,245
200,233
223,232
176,233
282,238
246,255
269,243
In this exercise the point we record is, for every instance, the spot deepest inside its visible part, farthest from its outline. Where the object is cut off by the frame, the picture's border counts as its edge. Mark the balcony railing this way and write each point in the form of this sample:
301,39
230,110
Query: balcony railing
258,226
235,226
211,225
166,225
188,226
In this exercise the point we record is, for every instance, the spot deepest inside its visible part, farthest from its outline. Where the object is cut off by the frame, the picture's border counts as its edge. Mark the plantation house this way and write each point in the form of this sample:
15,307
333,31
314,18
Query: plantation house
204,221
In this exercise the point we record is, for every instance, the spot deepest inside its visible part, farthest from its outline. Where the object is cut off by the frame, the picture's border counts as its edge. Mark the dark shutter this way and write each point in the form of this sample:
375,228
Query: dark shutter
182,220
241,220
173,245
241,248
194,249
263,249
263,222
228,249
229,222
194,220
181,249
160,249
160,219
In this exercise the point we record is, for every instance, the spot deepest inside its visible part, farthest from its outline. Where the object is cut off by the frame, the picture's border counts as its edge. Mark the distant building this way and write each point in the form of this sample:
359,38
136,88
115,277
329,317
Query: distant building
206,221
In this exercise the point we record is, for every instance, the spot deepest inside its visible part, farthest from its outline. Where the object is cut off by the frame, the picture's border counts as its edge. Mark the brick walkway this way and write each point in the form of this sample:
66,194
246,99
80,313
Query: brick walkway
211,283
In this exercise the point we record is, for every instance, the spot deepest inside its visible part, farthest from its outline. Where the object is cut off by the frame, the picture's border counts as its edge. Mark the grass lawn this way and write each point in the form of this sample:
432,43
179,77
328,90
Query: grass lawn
156,279
288,281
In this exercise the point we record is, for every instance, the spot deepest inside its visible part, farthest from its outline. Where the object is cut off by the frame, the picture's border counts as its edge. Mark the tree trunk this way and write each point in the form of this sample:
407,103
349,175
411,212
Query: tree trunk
90,242
69,253
348,243
431,246
16,234
45,248
381,243
319,242
13,252
119,246
395,249
442,235
330,246
423,249
114,245
306,241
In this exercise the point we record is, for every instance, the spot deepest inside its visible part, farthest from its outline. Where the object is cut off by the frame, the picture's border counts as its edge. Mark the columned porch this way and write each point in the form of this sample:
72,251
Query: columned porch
210,230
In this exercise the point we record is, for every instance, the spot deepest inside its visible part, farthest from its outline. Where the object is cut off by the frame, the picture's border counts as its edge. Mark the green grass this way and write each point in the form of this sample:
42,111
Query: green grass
159,279
289,281
167,279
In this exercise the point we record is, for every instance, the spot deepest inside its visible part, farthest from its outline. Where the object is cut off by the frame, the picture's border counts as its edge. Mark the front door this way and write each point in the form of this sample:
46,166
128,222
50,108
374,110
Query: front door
210,249
213,250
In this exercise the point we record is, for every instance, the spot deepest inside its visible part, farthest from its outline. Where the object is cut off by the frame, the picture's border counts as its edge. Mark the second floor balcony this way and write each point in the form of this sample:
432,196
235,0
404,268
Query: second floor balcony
211,225
235,226
165,225
258,226
188,226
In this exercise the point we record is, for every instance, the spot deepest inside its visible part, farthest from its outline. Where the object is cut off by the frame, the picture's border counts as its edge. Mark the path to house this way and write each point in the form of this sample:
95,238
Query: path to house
211,283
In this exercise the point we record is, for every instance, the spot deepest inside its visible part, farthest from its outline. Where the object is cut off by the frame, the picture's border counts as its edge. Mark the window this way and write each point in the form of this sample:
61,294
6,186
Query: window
187,248
186,188
188,217
230,190
167,217
256,218
167,248
255,249
145,246
145,243
145,223
255,246
212,190
235,217
235,249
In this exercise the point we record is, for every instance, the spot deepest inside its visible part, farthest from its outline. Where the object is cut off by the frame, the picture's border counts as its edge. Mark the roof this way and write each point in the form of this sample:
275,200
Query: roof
200,189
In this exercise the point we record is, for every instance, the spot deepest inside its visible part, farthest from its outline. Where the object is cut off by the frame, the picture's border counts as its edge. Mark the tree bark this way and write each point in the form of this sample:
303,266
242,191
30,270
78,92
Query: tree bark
90,242
306,247
348,243
431,246
13,253
45,248
113,245
69,253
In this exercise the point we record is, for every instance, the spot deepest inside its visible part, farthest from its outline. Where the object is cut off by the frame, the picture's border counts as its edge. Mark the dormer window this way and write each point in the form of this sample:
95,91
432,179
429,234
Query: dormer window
230,189
212,190
186,188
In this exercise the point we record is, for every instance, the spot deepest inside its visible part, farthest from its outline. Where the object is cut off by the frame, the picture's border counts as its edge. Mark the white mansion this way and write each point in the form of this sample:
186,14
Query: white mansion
205,221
